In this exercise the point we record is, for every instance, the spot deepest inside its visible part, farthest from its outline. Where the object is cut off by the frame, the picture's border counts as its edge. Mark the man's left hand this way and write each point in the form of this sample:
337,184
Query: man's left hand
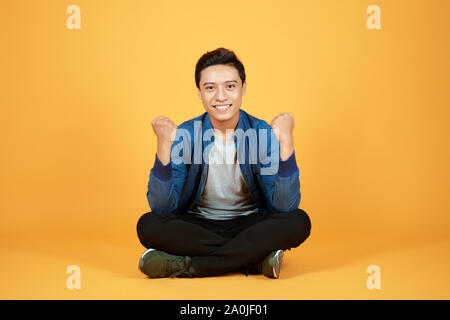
283,125
284,122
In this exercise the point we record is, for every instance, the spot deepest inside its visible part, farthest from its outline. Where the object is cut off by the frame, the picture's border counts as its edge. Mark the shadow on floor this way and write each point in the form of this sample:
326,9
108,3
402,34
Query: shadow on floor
121,256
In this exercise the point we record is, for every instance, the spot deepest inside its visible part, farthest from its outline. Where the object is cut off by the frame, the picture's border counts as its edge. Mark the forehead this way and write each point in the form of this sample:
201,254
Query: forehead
219,73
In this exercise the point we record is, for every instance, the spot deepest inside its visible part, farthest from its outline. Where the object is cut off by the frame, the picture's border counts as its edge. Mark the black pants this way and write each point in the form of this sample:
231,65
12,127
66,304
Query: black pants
218,247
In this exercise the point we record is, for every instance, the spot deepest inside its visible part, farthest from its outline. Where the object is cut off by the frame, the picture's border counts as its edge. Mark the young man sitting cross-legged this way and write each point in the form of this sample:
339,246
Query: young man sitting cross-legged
224,189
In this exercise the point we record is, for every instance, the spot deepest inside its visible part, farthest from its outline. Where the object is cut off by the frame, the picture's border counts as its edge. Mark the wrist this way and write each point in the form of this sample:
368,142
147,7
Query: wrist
286,139
286,152
286,147
163,151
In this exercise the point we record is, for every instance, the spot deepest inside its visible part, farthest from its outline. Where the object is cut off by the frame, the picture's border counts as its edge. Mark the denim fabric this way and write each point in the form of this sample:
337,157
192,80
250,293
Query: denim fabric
175,187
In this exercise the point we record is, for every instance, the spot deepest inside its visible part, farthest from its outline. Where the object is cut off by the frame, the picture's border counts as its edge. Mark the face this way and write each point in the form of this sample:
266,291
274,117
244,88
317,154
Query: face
221,91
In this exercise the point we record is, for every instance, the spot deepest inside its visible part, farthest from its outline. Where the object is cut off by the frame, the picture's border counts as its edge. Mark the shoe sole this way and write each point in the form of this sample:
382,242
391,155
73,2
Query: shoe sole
276,262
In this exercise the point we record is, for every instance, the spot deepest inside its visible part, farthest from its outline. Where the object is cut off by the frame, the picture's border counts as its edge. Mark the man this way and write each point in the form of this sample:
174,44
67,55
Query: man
224,190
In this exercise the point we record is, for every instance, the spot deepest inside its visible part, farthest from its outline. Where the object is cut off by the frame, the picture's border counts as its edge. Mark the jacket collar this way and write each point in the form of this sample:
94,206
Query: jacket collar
242,122
240,144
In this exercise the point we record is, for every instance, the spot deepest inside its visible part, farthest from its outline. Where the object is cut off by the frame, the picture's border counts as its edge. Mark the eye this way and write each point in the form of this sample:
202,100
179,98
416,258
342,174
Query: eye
209,88
231,86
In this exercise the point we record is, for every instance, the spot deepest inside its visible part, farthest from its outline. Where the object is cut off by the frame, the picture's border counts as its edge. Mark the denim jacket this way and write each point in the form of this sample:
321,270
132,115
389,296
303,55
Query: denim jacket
273,184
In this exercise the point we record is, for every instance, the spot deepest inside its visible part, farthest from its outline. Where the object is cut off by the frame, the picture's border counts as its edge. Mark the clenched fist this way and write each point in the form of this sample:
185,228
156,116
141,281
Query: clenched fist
284,122
283,125
165,130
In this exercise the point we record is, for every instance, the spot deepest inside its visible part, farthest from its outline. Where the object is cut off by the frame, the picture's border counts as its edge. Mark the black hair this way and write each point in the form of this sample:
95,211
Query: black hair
218,56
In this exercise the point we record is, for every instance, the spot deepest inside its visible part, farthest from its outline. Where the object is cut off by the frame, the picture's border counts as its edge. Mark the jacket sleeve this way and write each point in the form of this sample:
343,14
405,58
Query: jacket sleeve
165,185
281,189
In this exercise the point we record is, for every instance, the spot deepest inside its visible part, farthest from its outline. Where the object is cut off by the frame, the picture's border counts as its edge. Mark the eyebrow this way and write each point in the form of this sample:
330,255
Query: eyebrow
206,83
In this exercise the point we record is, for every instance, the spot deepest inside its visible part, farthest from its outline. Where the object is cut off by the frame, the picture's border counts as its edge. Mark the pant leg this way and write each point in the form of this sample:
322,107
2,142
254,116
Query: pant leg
267,232
185,235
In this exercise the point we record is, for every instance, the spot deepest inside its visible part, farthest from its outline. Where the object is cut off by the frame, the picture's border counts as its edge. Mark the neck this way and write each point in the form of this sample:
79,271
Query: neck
225,129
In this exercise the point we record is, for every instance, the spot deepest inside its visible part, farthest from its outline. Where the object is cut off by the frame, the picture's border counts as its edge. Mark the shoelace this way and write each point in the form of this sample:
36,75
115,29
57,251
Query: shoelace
182,265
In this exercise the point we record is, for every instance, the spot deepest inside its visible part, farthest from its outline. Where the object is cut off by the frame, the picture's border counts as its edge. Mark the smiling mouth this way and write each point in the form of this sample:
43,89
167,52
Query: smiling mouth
223,107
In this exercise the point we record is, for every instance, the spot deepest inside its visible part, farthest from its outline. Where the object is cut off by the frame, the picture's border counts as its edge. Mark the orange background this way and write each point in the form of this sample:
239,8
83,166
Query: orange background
371,139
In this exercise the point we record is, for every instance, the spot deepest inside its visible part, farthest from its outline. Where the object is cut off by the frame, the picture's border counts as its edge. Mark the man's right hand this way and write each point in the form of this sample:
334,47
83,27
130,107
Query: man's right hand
165,130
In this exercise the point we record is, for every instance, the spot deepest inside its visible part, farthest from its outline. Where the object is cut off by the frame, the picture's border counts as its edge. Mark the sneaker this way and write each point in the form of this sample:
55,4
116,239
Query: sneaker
159,264
271,265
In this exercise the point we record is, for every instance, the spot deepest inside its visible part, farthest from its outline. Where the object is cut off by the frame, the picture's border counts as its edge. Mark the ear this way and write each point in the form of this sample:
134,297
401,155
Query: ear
199,94
244,88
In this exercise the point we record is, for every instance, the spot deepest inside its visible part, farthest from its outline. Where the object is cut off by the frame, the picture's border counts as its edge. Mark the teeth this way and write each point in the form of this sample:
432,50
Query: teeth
222,107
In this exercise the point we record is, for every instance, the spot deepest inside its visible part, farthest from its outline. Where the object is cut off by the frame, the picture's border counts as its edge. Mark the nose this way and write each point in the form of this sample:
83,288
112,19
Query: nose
220,94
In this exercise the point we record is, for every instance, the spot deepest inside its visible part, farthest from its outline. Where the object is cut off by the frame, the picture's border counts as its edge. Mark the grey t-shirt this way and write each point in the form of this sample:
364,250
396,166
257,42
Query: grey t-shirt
225,195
